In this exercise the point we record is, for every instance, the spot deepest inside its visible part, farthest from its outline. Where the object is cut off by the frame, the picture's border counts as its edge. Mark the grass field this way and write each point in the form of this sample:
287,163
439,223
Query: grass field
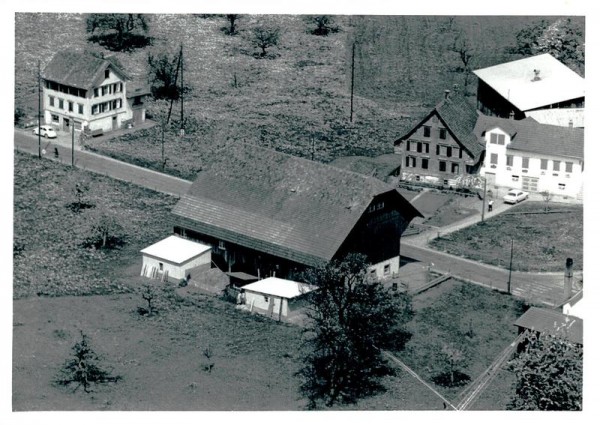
542,241
49,237
472,319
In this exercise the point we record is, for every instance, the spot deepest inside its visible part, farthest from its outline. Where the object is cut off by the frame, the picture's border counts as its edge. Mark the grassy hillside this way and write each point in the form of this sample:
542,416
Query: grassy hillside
402,66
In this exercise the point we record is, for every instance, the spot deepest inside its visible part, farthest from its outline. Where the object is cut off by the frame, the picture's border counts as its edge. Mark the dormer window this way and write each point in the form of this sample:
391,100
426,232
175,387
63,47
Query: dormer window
106,73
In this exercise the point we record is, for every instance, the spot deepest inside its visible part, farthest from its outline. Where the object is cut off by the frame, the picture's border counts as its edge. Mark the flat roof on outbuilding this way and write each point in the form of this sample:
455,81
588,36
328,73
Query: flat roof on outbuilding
175,249
279,287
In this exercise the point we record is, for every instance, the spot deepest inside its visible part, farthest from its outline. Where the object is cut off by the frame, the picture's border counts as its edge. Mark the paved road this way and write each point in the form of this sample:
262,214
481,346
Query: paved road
26,142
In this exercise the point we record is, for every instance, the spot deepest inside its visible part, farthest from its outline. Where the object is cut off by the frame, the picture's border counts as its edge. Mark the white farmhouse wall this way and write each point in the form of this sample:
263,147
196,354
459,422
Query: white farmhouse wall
176,271
558,183
259,301
379,269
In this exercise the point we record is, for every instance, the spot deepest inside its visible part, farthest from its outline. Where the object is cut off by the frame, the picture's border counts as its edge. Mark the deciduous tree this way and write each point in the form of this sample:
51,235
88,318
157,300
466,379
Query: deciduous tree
118,31
264,37
325,24
549,373
564,39
351,318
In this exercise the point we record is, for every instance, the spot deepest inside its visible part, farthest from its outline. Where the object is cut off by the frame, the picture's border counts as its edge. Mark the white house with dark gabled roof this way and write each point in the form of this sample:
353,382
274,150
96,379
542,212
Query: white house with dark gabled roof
527,155
86,91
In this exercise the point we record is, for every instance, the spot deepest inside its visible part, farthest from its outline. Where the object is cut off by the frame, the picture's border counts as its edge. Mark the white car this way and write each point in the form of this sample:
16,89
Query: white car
514,196
45,131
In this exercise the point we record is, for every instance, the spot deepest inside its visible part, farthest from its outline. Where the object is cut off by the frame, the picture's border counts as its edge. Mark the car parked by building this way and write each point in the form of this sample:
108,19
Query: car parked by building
514,196
45,131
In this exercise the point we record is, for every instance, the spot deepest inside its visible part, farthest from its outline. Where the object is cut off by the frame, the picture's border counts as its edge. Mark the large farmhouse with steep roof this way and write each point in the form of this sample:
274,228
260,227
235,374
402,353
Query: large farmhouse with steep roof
85,91
442,148
272,214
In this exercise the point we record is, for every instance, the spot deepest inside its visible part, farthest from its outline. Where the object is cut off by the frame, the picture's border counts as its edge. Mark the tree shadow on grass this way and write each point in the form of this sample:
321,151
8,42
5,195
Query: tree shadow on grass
124,43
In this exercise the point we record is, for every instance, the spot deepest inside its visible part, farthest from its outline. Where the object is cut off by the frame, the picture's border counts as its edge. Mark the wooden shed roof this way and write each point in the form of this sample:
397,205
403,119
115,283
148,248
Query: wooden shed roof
280,204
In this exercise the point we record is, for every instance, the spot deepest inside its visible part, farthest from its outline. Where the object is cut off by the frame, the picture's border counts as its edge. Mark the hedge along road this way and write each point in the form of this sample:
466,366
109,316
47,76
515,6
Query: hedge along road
536,287
27,142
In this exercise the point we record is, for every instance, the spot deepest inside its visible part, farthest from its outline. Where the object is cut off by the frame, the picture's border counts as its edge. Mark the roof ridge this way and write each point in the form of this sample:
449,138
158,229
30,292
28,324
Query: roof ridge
370,179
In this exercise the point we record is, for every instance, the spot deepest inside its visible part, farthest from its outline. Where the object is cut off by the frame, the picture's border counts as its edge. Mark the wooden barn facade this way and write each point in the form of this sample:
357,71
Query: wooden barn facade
271,214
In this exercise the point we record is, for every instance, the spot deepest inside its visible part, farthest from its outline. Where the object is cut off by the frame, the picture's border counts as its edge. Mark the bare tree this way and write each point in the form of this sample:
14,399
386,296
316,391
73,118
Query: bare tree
547,197
466,51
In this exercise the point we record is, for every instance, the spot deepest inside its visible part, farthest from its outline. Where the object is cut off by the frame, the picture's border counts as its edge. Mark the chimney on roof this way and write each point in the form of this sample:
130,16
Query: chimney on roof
446,94
536,75
511,115
570,122
568,288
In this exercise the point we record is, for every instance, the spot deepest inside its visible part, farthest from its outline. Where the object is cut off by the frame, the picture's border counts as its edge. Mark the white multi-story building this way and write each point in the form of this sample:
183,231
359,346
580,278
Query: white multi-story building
524,154
85,91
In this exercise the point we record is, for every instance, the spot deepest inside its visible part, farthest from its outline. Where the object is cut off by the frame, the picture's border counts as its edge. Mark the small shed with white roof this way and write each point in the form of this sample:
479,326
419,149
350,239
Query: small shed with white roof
275,297
173,257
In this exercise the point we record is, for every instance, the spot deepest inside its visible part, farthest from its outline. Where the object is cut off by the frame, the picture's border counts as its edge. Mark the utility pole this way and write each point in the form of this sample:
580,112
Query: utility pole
512,243
39,111
484,194
73,142
182,130
352,86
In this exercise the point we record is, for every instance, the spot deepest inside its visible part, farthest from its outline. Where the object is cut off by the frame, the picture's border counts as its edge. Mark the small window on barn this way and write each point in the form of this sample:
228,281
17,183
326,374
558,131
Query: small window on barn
442,133
221,245
386,269
266,299
107,73
160,266
426,131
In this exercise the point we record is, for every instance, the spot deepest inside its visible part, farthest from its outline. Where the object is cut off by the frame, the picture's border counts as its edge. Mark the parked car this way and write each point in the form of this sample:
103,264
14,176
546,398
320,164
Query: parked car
45,131
514,196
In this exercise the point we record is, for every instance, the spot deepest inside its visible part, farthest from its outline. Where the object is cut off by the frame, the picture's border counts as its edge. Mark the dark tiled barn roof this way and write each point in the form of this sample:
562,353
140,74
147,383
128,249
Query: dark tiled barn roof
553,323
78,69
280,204
381,166
528,135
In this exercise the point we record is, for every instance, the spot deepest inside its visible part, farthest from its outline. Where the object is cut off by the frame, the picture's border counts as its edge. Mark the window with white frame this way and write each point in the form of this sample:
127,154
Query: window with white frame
51,100
525,162
411,161
386,269
509,160
544,164
494,158
556,165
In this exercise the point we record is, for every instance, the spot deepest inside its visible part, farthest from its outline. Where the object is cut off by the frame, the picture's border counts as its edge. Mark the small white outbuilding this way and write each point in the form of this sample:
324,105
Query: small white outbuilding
173,257
275,297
